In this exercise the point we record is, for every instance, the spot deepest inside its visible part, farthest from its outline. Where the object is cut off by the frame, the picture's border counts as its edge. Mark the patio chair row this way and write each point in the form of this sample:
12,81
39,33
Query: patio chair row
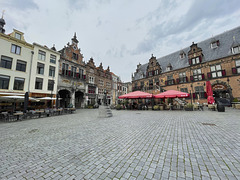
33,114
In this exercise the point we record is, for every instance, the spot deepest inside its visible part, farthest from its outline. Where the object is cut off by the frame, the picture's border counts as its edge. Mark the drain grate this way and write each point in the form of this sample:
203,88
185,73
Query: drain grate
208,124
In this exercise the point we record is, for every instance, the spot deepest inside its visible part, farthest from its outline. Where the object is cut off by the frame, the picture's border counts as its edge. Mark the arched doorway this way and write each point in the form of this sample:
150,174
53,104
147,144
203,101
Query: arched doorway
221,90
65,96
78,99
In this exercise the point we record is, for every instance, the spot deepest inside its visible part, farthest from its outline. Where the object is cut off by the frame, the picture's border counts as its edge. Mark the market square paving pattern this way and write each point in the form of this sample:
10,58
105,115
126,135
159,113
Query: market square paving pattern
129,145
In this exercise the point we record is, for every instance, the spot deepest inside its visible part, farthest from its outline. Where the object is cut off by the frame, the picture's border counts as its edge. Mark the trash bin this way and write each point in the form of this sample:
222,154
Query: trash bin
221,108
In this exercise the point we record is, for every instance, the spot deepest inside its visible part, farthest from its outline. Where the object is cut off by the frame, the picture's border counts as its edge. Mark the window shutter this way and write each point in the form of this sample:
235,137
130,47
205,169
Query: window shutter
191,78
153,73
76,56
234,70
194,95
209,75
166,83
84,76
63,71
177,80
200,59
205,94
203,76
77,75
186,79
66,72
224,72
190,61
173,81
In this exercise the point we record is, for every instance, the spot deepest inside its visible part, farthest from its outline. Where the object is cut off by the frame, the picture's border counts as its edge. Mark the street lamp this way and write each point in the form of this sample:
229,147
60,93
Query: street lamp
105,97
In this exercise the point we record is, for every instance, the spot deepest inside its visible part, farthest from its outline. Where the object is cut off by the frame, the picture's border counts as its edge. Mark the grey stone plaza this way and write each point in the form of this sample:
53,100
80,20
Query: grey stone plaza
129,145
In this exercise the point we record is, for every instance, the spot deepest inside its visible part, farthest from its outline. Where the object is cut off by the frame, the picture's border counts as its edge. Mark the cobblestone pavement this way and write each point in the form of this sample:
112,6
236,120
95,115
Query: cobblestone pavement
129,145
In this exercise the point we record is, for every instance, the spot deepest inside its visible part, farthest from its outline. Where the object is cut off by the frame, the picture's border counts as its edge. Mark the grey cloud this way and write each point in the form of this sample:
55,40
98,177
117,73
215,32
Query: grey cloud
22,5
199,12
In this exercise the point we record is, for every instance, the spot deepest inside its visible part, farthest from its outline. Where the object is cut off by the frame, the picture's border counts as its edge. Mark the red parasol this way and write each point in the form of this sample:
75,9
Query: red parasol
136,95
209,93
172,94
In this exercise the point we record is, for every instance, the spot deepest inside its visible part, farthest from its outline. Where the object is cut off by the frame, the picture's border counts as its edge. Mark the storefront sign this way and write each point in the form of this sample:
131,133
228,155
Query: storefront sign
219,87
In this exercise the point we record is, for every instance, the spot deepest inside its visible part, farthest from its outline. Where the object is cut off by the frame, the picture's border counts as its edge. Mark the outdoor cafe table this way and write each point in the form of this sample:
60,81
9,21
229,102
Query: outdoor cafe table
59,111
18,114
39,112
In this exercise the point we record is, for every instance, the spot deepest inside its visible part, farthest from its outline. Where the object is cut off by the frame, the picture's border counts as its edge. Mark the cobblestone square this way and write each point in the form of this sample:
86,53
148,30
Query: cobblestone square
129,145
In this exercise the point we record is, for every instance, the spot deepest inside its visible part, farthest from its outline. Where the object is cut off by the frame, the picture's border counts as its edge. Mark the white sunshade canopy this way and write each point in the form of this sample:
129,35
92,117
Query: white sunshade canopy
48,98
16,98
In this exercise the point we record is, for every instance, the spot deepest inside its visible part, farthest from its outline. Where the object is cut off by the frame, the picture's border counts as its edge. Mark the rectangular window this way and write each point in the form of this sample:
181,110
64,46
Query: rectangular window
21,66
40,68
81,73
53,59
182,77
50,85
170,80
235,49
38,83
4,81
216,71
195,60
41,55
52,71
18,84
75,56
15,49
74,71
6,62
18,36
184,90
238,66
91,90
91,80
197,75
199,92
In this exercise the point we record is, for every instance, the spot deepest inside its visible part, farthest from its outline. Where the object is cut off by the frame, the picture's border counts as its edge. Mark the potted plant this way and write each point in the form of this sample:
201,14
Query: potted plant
118,107
234,101
156,107
189,107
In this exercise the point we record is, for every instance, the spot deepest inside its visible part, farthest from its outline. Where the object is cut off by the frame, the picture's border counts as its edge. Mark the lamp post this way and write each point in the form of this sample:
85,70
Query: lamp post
105,97
191,94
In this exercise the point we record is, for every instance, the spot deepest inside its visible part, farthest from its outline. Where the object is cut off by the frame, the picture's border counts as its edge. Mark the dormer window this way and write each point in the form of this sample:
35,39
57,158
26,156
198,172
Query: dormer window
182,56
18,36
214,44
195,60
236,49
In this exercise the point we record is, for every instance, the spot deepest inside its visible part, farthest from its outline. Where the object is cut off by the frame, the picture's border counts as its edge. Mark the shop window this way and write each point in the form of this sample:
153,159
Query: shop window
16,49
40,68
4,81
52,71
53,59
18,84
41,55
21,66
50,85
38,83
6,62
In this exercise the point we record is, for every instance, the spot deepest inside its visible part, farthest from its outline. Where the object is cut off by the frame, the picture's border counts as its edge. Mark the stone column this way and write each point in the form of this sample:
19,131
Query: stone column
73,98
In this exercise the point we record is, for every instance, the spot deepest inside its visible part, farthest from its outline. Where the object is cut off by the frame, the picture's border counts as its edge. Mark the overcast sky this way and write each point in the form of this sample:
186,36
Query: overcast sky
121,33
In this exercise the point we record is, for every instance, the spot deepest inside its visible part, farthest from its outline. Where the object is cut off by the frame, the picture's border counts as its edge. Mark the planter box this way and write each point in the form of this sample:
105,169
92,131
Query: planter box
237,106
188,109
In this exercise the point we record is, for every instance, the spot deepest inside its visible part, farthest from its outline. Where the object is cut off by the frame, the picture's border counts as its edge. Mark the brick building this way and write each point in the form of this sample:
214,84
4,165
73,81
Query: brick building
216,59
72,75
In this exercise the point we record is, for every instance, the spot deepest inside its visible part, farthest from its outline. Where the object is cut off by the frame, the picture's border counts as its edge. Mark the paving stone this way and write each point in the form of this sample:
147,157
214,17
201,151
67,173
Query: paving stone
127,145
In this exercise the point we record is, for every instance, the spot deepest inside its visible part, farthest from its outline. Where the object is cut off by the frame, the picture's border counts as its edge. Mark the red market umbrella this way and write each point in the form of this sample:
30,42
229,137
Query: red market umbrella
136,95
172,94
209,92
